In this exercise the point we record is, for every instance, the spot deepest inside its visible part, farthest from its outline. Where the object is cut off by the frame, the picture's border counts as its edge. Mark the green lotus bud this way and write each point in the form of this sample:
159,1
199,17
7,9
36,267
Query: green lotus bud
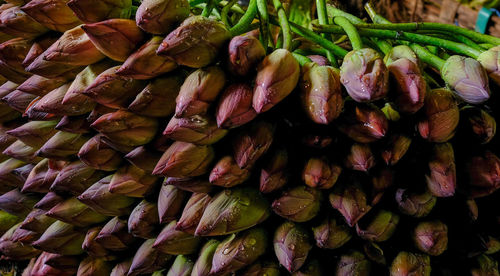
53,14
170,202
190,184
143,158
489,61
245,52
192,213
479,123
91,246
291,246
92,266
185,160
364,75
395,149
61,238
321,93
298,204
269,269
351,201
226,173
114,235
23,152
161,17
121,268
238,251
320,173
13,52
100,199
414,204
147,259
155,100
380,226
37,221
203,264
232,211
7,221
467,78
48,201
75,178
252,143
198,91
34,133
16,203
277,76
485,266
441,116
407,263
15,22
196,42
274,174
62,146
360,158
364,123
18,100
90,11
431,237
116,38
15,250
143,220
200,130
174,242
353,263
96,154
76,213
441,181
126,128
310,268
330,234
235,106
182,266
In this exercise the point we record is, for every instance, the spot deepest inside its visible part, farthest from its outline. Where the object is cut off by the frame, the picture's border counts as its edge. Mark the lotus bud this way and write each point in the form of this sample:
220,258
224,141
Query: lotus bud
34,133
441,181
185,160
484,174
353,263
291,246
194,185
407,263
96,154
232,211
360,158
6,168
41,268
404,66
143,158
42,176
226,173
467,78
310,268
92,266
52,102
121,269
90,11
441,116
298,204
330,234
74,124
485,266
245,52
155,100
380,227
480,124
11,74
319,60
413,204
16,203
143,220
91,246
115,38
196,42
15,251
75,178
15,22
277,76
203,264
182,266
50,200
147,259
395,149
39,46
23,152
192,213
364,75
364,123
52,69
238,251
235,106
200,130
53,14
252,143
18,100
104,202
14,51
270,269
170,202
161,17
7,114
37,221
431,237
61,238
24,171
320,173
33,115
274,175
62,145
7,221
175,242
489,61
198,91
114,235
351,201
69,264
131,181
76,213
321,93
7,87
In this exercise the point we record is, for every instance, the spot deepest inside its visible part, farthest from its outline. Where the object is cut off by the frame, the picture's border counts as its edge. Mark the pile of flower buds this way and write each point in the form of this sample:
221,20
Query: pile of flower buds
206,138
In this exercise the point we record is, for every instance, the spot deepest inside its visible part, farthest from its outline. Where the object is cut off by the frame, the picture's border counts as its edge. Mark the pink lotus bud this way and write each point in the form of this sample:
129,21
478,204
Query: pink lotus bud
7,87
147,259
91,246
479,124
143,158
185,160
156,101
395,149
235,106
53,14
193,210
190,184
75,178
39,46
380,226
274,174
252,143
90,11
484,174
360,158
95,153
331,235
170,202
40,86
132,181
200,130
298,204
15,22
441,116
291,245
92,266
23,152
441,181
15,251
42,176
143,221
52,69
48,201
37,221
161,17
319,60
74,212
18,100
62,146
364,123
431,237
114,235
320,173
74,124
61,238
41,268
226,173
351,201
175,242
13,52
245,52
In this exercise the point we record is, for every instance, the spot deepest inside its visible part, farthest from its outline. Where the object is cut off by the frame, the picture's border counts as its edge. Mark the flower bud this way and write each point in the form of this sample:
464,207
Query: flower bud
6,172
413,204
379,228
226,173
161,17
147,259
37,221
132,181
198,91
42,176
143,158
9,73
274,174
360,158
485,266
14,51
298,204
175,242
203,264
39,46
245,52
407,263
115,38
252,143
114,235
16,203
490,62
351,201
441,116
76,213
61,238
235,106
467,78
90,245
66,264
126,128
431,237
200,130
185,160
182,266
18,100
330,234
75,178
193,210
266,268
90,11
53,14
156,101
196,42
143,221
321,93
48,201
23,152
40,268
7,221
310,268
232,211
190,184
277,76
15,250
484,174
62,146
121,268
320,173
96,154
364,75
291,245
441,181
364,123
92,266
15,22
7,87
170,202
34,133
395,148
353,263
479,123
33,115
52,103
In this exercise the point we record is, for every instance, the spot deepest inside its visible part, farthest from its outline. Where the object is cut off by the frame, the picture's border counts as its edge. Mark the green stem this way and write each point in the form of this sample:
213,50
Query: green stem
487,45
351,32
323,19
246,19
427,57
225,12
301,59
454,37
384,46
311,51
264,22
332,11
284,24
208,8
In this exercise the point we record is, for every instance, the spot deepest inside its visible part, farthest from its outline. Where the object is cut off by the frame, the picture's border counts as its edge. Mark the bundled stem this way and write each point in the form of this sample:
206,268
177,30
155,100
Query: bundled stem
284,24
